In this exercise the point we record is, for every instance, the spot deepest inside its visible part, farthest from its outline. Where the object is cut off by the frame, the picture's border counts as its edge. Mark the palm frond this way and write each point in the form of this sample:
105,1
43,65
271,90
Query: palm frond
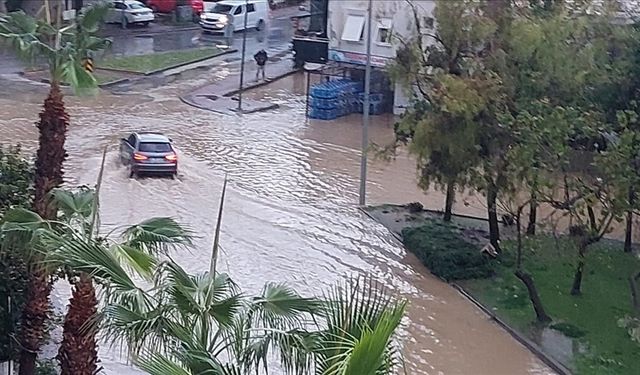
360,314
158,235
295,348
89,257
93,16
158,364
135,260
279,306
63,49
369,353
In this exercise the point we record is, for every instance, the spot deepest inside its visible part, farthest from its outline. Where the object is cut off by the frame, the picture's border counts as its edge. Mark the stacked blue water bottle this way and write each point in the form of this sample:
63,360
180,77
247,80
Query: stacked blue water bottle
332,99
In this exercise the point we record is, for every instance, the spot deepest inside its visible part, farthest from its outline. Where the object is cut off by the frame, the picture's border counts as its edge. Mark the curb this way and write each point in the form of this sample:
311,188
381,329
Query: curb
260,84
170,29
534,348
102,85
113,83
157,71
530,345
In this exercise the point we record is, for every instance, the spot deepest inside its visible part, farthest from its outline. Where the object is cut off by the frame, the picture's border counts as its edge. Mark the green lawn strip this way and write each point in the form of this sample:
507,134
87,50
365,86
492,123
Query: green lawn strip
595,314
157,61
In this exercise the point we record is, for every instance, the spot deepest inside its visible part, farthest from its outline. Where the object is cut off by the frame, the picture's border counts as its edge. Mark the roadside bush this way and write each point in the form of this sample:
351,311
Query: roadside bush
16,181
442,249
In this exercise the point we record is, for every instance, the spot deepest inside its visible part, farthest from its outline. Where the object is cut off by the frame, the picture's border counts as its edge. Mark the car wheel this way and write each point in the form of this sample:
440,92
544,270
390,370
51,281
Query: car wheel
145,24
132,173
260,25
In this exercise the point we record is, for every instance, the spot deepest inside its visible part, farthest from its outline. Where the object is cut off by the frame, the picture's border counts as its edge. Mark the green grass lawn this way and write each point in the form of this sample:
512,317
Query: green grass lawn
155,61
594,315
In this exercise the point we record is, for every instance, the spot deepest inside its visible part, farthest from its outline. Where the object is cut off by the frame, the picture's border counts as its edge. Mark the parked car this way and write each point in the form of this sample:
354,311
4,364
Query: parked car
148,153
168,6
129,12
232,12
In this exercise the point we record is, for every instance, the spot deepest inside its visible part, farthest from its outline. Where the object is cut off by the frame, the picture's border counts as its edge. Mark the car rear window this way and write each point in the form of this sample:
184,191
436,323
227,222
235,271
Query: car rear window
155,147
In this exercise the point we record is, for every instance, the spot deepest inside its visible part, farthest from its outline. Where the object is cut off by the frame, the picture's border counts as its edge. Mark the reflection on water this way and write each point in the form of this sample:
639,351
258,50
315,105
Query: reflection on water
290,213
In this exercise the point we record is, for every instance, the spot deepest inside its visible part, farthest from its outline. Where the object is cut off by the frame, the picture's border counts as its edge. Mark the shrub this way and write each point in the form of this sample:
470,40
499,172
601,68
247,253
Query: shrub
16,181
442,249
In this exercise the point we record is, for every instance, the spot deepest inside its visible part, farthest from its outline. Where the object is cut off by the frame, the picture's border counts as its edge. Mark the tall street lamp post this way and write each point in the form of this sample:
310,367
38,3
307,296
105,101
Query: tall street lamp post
244,47
365,112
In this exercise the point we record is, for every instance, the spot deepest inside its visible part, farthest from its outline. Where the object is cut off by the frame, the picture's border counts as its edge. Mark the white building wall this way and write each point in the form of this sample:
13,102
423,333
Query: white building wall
395,16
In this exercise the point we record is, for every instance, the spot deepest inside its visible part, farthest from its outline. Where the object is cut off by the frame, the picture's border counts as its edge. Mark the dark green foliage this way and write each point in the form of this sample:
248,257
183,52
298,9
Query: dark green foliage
447,255
16,180
13,283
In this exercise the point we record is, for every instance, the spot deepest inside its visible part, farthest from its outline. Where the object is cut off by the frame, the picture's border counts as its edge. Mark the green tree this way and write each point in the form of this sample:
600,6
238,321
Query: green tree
436,65
63,50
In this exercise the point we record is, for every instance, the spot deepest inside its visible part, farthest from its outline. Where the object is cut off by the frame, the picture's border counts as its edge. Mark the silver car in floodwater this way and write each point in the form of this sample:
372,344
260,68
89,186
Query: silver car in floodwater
149,153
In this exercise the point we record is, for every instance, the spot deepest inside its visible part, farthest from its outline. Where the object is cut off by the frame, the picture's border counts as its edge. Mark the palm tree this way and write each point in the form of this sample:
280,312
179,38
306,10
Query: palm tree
63,49
70,245
200,324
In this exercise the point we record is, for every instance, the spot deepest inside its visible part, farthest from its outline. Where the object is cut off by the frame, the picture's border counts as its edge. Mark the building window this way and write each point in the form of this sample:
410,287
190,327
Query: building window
353,29
385,31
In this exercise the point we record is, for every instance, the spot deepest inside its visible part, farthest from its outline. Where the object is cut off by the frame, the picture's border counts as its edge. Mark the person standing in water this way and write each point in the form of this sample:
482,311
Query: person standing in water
261,59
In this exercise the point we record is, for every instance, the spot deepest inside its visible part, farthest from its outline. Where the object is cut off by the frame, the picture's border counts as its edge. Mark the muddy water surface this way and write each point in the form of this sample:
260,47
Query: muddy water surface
290,214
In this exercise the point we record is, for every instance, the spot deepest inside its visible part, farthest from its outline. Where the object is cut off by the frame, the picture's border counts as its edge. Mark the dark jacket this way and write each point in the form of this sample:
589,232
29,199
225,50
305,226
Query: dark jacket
261,57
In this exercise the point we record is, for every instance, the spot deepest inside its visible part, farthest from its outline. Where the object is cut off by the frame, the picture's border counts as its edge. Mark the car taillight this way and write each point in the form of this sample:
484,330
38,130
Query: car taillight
137,156
171,157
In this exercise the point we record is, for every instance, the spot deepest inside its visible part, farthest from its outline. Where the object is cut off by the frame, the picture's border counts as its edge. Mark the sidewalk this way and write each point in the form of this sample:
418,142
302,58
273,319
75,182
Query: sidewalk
221,97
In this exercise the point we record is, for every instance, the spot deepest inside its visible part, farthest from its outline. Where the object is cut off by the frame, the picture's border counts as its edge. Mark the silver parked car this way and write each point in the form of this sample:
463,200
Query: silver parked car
148,153
129,12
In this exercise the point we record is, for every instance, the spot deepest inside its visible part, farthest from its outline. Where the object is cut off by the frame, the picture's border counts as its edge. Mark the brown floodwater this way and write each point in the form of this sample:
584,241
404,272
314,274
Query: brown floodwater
290,214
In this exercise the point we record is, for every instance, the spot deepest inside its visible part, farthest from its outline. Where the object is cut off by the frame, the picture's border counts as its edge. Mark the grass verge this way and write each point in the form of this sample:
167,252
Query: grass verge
590,319
158,61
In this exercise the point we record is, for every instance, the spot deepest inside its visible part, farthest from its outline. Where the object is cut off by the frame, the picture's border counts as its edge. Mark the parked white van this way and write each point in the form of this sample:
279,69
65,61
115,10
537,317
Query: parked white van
232,12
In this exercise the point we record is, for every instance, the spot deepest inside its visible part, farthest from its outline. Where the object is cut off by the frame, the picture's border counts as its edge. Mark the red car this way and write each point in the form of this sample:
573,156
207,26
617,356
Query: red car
168,6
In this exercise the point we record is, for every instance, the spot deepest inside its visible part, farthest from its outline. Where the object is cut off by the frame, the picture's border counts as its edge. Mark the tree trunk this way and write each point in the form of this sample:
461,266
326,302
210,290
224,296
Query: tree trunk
533,213
576,288
628,234
34,316
52,129
78,353
527,280
494,229
449,200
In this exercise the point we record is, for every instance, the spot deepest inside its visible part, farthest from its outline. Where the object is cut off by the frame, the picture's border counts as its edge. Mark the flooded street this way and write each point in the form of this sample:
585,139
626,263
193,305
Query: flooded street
290,214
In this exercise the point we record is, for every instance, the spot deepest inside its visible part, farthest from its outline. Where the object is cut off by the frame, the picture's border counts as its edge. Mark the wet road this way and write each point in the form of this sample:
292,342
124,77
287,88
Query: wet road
290,214
159,38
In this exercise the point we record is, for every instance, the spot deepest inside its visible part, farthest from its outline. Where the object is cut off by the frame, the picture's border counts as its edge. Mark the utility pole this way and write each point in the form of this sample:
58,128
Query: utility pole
244,47
365,112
